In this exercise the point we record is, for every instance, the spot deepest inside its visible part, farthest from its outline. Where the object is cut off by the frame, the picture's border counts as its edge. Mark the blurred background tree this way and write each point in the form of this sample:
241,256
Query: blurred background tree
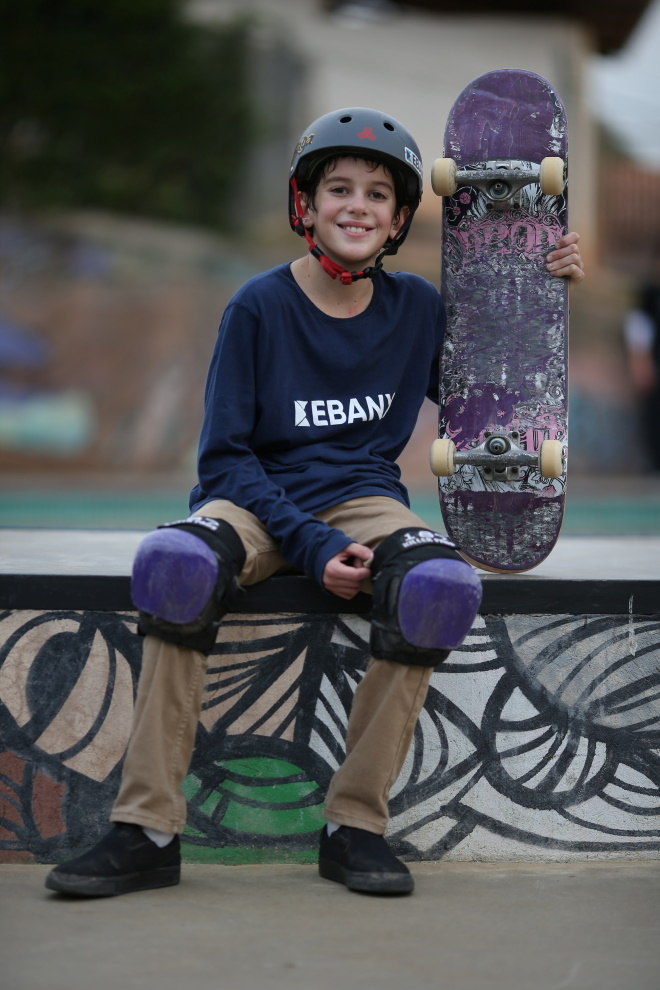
122,105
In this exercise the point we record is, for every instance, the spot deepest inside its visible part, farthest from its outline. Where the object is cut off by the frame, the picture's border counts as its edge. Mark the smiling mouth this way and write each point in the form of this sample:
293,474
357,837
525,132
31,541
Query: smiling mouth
353,229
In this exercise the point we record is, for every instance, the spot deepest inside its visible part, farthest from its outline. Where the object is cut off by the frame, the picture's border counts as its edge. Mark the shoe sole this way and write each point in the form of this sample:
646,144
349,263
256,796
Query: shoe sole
68,883
367,883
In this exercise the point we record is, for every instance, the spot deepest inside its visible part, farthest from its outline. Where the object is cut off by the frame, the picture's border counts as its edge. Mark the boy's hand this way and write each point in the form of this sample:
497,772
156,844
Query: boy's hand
565,259
345,571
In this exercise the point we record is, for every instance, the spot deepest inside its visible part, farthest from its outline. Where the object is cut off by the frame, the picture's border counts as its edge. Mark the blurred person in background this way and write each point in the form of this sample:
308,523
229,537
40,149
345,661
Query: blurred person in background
641,331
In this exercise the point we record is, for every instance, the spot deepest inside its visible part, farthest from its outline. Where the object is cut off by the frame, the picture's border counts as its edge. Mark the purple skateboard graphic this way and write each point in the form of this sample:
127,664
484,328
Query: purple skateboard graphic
500,456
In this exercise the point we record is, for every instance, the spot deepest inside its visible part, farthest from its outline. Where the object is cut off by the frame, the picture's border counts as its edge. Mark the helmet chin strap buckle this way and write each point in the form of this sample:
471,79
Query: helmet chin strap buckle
334,270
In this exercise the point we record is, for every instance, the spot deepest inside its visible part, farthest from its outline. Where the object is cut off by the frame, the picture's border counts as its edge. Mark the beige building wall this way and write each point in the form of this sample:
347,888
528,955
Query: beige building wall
415,64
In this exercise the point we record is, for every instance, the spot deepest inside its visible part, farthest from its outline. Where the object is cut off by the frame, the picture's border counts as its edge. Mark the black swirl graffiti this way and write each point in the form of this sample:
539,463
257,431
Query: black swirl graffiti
540,731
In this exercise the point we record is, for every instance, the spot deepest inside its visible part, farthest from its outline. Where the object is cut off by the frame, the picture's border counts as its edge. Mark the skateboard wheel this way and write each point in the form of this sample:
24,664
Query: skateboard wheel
443,177
442,457
551,459
551,176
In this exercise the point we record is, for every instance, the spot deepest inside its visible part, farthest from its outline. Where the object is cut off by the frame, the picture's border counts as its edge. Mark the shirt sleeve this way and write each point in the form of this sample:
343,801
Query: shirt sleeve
228,467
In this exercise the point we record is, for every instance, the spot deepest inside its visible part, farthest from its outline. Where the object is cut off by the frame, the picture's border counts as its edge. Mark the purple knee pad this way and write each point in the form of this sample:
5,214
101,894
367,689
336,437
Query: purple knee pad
438,602
175,574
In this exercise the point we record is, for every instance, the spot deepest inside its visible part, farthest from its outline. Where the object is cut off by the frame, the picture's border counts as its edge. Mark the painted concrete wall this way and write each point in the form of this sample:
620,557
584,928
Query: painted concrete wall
540,738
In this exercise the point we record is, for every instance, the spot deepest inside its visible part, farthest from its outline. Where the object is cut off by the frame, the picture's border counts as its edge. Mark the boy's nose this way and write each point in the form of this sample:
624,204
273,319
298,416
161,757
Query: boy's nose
359,202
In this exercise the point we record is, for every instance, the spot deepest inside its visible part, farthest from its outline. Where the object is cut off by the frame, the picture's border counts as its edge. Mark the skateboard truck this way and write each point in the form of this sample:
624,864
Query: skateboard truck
500,457
499,180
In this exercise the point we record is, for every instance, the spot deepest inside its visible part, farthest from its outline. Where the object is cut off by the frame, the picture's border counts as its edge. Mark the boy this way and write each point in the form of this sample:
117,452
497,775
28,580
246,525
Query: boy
314,388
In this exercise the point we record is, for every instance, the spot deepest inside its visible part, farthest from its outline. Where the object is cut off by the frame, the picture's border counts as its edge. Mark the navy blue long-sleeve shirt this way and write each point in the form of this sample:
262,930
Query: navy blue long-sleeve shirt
305,410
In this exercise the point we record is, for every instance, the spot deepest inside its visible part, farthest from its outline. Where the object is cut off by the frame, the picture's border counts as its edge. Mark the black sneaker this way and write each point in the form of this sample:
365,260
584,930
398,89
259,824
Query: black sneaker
123,861
362,861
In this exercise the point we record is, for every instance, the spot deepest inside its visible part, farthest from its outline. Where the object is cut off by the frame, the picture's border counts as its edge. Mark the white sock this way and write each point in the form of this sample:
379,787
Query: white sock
331,827
161,839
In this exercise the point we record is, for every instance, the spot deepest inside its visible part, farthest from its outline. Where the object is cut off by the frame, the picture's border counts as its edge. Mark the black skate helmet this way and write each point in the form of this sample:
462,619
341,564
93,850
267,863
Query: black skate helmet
368,134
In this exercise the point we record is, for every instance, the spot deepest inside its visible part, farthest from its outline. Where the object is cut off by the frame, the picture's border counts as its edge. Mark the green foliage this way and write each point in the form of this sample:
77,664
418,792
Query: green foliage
122,105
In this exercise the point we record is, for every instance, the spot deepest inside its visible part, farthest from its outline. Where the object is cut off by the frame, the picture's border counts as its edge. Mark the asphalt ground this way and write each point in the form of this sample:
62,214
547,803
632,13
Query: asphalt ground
468,926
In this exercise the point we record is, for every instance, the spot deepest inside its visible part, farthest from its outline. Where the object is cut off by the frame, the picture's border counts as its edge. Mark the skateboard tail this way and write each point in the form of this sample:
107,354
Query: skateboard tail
502,531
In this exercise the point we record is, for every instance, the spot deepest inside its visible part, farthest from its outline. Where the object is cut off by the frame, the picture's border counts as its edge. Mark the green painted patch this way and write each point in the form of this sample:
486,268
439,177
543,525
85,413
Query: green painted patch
246,856
261,767
258,796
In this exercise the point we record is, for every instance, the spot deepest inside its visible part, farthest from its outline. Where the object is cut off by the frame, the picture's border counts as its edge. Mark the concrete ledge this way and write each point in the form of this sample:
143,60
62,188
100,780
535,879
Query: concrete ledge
82,569
539,738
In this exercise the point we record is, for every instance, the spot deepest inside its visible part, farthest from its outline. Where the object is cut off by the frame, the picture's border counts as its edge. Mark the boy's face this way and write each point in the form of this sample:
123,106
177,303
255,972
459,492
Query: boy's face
353,212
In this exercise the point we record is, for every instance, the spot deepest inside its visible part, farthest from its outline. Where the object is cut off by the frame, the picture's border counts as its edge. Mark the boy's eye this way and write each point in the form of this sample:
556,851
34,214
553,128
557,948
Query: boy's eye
340,190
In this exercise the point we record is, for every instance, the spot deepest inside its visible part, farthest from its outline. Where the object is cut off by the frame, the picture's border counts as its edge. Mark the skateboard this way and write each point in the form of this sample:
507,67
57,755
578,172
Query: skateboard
500,456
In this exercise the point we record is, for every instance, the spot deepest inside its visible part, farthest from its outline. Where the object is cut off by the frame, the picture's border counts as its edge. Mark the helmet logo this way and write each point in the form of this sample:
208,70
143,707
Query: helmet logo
413,160
303,143
367,134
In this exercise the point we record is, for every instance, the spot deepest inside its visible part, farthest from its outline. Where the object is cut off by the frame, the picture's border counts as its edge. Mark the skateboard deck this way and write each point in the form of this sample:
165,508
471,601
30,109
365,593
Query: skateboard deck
501,451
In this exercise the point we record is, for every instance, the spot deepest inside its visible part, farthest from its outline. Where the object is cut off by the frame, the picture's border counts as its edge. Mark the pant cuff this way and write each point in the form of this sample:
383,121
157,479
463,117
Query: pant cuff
148,821
339,818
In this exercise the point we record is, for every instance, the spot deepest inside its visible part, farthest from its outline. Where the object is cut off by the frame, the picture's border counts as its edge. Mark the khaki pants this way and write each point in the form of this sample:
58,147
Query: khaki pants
385,708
